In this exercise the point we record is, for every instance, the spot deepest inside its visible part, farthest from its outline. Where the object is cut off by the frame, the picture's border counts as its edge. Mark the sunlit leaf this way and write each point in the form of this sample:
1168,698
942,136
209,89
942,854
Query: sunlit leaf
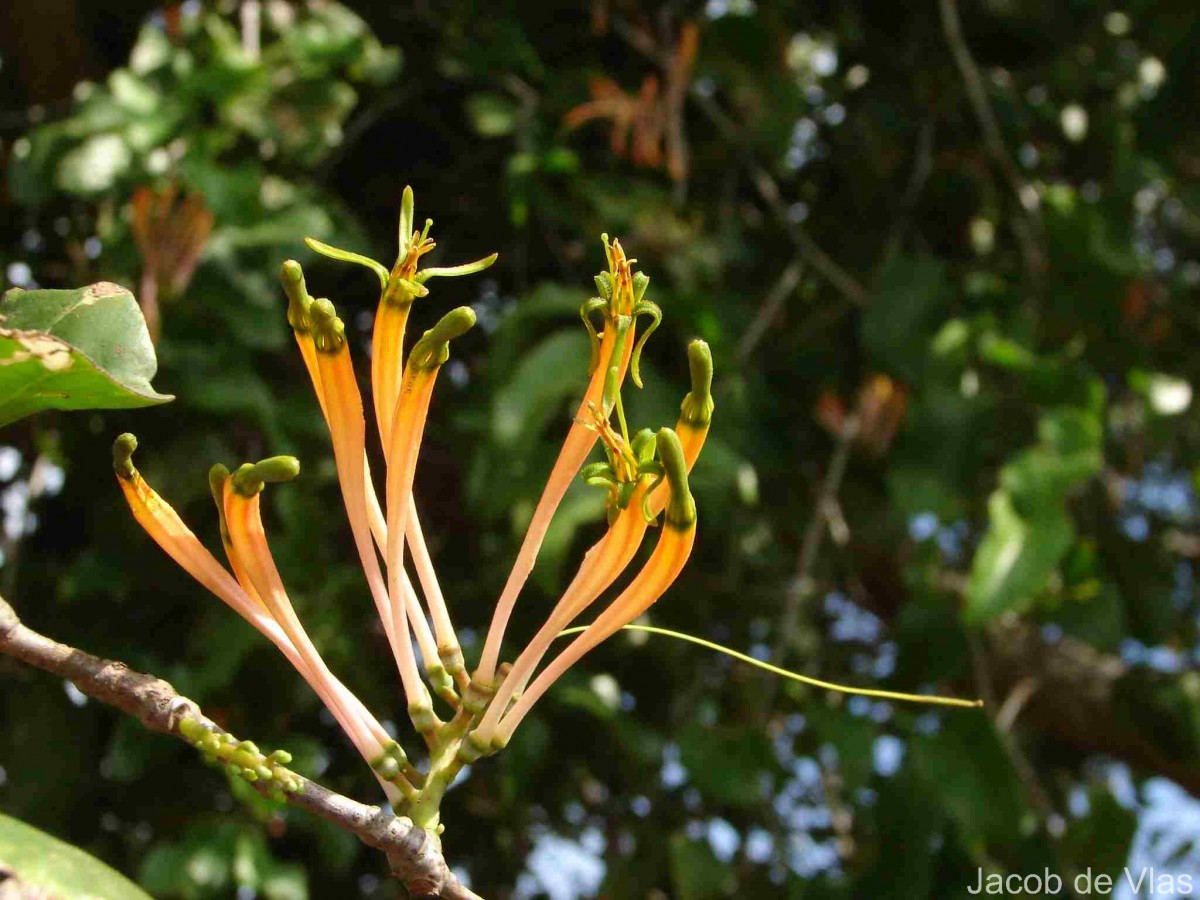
1014,559
78,349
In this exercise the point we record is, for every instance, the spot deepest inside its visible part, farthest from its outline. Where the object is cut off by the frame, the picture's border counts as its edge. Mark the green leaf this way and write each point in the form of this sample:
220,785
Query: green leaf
1005,353
1015,557
86,348
539,386
726,763
901,321
38,860
94,166
492,115
965,769
1039,479
695,872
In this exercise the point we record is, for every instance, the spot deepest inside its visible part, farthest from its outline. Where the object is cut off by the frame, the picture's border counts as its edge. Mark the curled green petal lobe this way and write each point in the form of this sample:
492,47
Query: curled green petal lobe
598,474
643,308
643,445
454,271
413,288
585,313
641,281
349,256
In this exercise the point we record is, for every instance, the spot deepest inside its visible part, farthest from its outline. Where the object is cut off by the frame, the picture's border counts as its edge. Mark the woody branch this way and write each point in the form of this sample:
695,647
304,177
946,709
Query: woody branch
414,855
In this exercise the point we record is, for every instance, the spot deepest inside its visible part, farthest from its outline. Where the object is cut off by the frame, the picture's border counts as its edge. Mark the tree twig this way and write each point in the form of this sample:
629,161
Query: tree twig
1002,723
801,586
1026,225
769,310
414,854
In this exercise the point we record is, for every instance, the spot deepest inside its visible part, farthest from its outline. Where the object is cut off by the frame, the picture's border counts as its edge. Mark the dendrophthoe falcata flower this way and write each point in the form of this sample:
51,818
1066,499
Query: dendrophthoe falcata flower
461,714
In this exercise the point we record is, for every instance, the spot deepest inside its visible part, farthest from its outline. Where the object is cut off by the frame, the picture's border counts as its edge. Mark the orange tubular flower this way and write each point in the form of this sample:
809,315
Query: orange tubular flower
695,415
248,543
347,427
301,316
399,287
164,526
335,694
665,563
601,566
412,407
621,303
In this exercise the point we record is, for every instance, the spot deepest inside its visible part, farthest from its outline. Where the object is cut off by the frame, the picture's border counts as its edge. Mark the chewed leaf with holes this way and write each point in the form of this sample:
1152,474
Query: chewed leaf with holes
86,348
35,864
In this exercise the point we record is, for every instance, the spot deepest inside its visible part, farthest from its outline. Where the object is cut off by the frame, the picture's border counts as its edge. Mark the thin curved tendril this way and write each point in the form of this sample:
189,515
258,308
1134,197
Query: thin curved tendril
794,676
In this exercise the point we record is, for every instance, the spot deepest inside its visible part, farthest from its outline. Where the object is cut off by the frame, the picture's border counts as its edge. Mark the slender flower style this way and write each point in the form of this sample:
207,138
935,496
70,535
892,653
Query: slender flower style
412,407
644,476
254,563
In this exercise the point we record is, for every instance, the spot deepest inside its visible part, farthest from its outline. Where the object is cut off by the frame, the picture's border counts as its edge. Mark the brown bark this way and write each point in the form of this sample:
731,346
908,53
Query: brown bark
415,855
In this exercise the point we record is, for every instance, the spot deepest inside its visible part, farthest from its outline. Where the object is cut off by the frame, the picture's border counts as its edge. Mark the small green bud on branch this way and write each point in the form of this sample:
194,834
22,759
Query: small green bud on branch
241,758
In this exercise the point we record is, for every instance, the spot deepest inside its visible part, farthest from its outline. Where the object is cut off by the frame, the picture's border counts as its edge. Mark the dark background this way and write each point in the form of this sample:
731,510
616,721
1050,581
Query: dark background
980,246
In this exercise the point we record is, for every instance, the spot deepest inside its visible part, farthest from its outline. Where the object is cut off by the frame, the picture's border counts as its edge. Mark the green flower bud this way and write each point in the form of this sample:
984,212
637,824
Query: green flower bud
697,407
249,479
329,332
681,508
433,348
122,453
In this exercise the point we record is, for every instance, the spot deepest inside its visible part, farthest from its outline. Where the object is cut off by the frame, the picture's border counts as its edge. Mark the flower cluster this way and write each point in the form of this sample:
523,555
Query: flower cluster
645,477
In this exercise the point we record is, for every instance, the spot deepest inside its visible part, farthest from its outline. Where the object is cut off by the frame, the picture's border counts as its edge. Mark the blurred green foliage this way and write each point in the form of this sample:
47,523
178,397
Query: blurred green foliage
37,861
1009,324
